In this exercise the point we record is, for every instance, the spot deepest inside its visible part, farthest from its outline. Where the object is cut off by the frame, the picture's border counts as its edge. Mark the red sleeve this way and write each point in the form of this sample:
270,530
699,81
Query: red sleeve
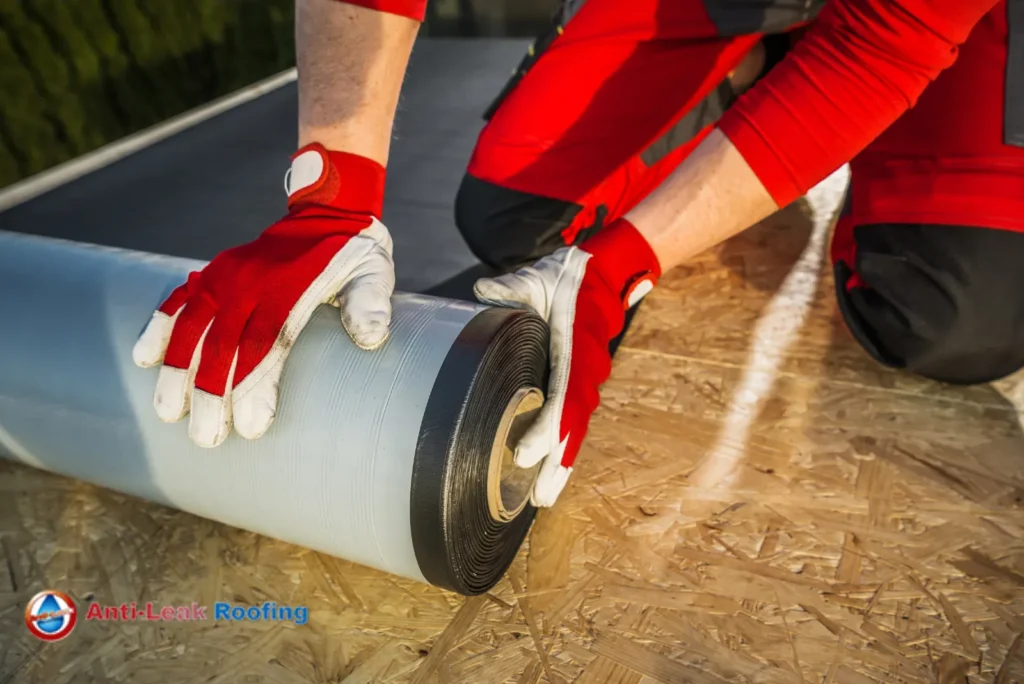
414,9
861,65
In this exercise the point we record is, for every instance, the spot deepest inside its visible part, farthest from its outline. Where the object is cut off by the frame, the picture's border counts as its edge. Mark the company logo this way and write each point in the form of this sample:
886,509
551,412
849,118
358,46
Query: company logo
51,615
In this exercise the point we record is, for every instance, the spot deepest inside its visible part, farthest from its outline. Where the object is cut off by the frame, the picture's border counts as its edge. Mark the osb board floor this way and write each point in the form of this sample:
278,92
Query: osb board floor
757,502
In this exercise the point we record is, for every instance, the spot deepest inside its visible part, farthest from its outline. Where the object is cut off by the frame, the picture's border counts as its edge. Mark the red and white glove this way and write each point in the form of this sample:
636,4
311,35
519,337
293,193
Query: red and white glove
224,335
583,293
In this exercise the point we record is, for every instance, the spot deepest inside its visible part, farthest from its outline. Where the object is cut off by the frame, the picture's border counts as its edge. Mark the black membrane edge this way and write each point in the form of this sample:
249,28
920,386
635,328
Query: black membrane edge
457,544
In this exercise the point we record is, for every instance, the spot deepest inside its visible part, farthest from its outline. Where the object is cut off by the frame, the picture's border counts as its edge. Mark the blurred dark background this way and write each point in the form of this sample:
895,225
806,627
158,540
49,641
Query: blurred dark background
77,74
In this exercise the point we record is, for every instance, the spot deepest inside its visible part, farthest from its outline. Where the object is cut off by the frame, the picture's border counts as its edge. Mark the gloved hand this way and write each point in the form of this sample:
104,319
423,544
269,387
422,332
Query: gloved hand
583,293
224,335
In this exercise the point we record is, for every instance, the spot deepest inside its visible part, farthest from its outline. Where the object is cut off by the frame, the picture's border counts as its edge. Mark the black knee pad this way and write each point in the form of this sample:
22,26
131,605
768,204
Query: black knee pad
506,228
946,302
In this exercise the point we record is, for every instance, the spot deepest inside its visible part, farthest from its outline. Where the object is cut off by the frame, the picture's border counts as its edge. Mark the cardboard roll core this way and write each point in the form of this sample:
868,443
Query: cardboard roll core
508,485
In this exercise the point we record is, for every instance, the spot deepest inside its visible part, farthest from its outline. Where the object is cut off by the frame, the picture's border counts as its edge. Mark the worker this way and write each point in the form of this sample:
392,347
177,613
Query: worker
622,148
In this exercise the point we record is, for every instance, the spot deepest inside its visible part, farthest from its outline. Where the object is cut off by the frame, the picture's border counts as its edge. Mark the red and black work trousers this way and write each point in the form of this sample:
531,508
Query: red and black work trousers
929,264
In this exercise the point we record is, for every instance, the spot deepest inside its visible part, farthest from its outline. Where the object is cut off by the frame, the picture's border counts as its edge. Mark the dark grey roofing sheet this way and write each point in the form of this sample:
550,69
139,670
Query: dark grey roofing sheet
219,183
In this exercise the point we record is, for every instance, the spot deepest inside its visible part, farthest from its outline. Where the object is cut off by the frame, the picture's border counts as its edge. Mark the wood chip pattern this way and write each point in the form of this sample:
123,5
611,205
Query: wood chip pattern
757,502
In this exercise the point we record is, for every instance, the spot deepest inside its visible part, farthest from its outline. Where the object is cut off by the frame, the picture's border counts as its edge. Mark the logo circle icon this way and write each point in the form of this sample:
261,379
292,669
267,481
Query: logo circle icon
51,615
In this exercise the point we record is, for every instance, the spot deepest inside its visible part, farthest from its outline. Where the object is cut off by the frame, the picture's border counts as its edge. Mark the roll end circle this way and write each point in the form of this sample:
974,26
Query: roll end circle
458,544
508,485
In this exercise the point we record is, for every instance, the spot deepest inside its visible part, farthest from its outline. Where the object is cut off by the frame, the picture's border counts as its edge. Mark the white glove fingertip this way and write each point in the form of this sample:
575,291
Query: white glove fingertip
490,290
365,301
174,386
368,330
149,349
552,477
549,485
501,291
540,438
210,421
172,395
254,408
532,448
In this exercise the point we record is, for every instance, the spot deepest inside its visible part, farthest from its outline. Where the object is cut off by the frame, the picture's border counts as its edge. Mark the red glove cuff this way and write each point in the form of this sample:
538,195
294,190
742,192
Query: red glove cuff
414,9
624,260
336,179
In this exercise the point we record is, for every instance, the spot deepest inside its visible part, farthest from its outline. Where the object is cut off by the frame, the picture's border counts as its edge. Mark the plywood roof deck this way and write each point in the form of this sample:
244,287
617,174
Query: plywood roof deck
758,501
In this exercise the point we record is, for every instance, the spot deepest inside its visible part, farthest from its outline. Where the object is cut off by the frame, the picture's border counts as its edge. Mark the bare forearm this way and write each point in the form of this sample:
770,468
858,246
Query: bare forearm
712,196
862,64
351,62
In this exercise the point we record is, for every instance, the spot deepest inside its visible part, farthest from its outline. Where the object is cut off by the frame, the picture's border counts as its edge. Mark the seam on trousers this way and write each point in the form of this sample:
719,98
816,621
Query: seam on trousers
570,8
742,17
707,112
1013,116
561,17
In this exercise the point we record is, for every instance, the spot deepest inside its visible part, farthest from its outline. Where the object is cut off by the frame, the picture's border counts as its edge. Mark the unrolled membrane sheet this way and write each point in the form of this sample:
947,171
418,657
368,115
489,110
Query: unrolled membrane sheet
381,457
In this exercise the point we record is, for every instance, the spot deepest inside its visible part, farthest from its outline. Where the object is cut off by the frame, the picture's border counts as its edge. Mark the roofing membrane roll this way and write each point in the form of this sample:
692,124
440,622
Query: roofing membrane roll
397,459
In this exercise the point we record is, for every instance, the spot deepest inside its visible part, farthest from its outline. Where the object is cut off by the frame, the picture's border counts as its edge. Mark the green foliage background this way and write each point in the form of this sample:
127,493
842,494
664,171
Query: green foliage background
77,74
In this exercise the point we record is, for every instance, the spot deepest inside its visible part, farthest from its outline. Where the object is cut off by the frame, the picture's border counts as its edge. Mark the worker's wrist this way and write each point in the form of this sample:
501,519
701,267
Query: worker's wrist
624,260
337,179
366,133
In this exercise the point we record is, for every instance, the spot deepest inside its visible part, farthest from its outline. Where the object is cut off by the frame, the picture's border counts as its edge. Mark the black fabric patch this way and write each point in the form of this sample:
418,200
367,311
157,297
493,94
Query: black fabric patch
945,302
860,326
693,122
714,105
1013,119
776,47
743,17
506,228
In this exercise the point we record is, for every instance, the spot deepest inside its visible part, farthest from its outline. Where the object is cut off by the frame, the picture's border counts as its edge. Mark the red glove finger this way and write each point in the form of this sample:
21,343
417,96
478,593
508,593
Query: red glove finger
223,337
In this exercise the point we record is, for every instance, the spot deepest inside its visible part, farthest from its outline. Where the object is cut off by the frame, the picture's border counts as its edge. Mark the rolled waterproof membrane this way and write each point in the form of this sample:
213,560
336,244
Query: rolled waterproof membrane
398,458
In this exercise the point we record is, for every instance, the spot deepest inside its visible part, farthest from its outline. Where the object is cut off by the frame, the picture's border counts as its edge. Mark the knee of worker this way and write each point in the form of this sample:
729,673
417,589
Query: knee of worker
506,228
944,302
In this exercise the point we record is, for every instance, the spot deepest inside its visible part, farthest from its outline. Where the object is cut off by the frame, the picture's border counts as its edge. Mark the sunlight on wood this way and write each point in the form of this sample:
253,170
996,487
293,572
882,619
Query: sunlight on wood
871,529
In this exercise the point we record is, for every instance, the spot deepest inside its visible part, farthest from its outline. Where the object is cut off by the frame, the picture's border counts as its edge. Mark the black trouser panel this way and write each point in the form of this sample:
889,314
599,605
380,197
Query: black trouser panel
946,302
743,17
507,229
